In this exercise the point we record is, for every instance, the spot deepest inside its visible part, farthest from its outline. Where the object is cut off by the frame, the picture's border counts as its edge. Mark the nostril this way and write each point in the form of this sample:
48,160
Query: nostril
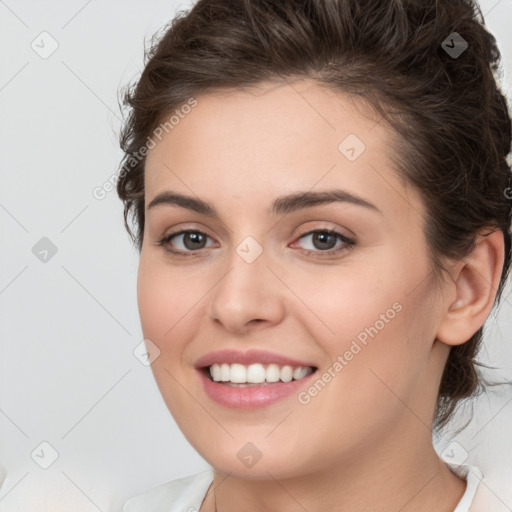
255,321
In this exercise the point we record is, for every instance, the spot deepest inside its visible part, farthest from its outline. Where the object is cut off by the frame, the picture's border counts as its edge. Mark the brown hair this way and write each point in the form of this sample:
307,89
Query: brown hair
452,121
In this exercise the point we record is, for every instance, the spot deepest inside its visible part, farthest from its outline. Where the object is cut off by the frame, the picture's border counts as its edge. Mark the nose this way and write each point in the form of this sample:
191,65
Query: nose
249,296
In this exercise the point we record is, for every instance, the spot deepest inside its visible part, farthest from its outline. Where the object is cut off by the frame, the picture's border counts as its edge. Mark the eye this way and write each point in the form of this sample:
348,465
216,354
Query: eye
187,241
323,241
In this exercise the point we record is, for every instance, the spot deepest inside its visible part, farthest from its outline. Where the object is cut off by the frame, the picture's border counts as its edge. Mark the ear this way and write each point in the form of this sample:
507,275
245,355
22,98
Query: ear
471,293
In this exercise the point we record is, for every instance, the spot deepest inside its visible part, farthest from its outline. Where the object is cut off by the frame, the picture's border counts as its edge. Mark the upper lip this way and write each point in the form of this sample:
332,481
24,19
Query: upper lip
246,358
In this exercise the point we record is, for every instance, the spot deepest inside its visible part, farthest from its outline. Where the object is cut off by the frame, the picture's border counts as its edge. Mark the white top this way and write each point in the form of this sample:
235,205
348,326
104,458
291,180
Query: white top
187,494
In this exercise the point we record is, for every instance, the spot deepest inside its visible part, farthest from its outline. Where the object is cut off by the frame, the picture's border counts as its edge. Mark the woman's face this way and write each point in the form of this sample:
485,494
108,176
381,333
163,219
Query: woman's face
259,291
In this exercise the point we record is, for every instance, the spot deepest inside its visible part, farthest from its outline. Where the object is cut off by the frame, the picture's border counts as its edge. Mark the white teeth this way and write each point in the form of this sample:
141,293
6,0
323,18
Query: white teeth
238,373
257,373
300,373
286,373
273,373
224,372
215,372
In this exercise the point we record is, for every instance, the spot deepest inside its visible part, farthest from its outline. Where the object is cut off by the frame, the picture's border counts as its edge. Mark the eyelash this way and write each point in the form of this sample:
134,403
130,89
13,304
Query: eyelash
348,243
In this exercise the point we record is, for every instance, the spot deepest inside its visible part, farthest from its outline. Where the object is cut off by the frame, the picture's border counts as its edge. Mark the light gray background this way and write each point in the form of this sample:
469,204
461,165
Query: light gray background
69,325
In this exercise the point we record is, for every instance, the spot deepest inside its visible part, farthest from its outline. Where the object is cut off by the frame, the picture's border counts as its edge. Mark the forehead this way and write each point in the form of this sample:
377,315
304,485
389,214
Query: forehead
273,136
277,112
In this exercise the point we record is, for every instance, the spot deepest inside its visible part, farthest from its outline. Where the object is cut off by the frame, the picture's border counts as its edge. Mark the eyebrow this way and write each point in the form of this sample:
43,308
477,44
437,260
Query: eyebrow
283,204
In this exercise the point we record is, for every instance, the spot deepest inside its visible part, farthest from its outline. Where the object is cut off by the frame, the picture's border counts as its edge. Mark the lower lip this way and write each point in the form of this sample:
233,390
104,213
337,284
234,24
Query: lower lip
251,397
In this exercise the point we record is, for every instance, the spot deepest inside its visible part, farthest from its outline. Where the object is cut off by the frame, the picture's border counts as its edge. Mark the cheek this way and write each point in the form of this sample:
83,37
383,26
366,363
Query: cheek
381,356
164,299
163,303
379,321
155,308
342,304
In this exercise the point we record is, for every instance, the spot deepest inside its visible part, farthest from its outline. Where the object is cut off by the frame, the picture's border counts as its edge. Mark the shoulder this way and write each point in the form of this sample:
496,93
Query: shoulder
181,495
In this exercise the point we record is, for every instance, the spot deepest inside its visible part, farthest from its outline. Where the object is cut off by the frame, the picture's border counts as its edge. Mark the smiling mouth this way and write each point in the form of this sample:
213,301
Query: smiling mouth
257,374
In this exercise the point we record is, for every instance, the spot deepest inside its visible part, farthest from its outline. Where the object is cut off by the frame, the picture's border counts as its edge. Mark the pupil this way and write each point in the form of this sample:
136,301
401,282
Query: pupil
322,240
195,238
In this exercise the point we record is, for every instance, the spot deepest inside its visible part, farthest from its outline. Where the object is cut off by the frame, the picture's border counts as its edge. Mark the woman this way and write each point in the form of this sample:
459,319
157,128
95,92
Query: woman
320,196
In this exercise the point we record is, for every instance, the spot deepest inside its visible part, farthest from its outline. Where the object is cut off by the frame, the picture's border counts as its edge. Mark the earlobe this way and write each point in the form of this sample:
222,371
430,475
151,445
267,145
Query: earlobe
474,286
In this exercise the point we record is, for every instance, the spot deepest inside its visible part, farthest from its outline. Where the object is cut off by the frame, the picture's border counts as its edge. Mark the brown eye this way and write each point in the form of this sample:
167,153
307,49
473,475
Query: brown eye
184,242
193,240
324,241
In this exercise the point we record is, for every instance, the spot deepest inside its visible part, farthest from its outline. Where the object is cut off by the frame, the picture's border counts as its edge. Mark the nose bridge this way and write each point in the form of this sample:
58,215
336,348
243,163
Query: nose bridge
247,275
248,290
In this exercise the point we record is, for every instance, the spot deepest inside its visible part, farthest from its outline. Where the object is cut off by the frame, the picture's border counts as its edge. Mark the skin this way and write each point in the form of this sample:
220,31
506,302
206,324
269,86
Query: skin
364,442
